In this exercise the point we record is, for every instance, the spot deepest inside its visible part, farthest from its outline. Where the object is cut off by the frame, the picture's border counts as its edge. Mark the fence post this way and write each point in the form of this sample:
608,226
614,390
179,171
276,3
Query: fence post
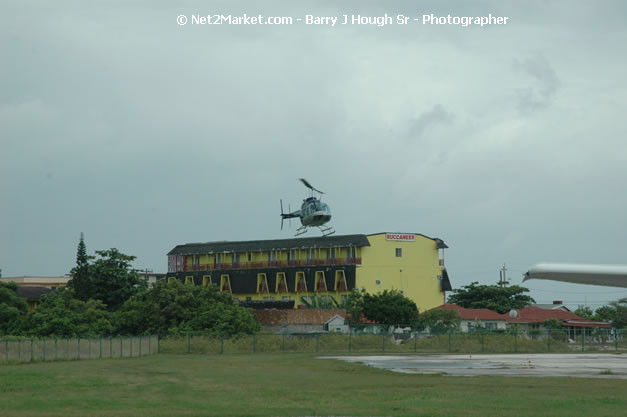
383,342
318,341
222,343
548,340
19,351
415,342
449,342
121,346
140,345
350,341
254,342
149,340
616,338
111,347
583,338
44,350
482,341
515,340
56,350
158,345
189,341
6,350
130,339
67,349
32,351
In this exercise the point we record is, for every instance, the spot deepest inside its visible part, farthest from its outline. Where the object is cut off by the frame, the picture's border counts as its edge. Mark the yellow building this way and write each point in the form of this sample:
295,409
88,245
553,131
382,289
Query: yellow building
288,269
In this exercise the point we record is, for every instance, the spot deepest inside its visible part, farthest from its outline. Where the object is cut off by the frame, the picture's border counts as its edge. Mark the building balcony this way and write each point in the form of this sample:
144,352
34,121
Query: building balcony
271,264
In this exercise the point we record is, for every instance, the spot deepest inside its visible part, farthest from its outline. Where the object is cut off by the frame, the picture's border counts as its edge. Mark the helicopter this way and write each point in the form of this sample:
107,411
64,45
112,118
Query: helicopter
313,213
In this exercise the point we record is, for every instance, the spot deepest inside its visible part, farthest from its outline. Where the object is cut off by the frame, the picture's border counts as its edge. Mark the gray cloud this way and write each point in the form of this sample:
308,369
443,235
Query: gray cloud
116,122
436,116
545,87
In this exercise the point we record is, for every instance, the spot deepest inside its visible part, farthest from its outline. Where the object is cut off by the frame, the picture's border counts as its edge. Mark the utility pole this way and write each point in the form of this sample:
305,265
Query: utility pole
503,276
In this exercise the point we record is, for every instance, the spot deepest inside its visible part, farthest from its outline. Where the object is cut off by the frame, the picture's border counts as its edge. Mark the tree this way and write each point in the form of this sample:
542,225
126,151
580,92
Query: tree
81,281
439,321
387,307
555,329
320,303
604,313
60,314
12,309
492,297
175,307
619,319
112,279
584,311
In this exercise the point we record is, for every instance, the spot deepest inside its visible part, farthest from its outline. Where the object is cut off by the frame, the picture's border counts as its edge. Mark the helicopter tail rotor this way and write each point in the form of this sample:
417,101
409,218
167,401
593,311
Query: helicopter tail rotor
282,218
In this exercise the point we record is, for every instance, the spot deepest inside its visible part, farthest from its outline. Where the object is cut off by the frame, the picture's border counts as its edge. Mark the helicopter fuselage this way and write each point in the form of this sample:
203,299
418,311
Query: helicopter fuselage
314,212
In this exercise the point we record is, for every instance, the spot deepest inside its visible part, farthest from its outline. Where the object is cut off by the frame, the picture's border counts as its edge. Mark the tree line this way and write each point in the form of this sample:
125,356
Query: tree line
107,297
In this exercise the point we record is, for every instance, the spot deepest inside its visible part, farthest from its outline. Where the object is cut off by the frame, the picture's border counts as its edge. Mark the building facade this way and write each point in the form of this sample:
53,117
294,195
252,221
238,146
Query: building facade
289,269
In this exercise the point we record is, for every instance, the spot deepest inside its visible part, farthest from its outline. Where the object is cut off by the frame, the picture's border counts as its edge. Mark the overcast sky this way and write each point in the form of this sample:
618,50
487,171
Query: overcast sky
506,141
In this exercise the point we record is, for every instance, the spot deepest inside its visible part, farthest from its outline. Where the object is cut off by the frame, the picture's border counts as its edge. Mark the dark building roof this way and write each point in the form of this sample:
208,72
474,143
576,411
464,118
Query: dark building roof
32,292
268,245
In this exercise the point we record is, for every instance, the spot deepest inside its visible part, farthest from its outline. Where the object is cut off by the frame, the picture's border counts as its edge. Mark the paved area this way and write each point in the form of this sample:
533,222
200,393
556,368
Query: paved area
518,365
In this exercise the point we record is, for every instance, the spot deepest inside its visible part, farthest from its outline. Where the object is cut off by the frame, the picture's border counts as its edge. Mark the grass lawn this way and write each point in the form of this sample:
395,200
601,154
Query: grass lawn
286,385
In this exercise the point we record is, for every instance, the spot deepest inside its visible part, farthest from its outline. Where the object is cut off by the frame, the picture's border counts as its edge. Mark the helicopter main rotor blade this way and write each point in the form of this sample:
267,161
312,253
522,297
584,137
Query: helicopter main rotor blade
311,187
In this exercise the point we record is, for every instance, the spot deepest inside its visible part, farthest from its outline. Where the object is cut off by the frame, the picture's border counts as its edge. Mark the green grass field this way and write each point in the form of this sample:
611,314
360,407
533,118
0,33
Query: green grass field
285,385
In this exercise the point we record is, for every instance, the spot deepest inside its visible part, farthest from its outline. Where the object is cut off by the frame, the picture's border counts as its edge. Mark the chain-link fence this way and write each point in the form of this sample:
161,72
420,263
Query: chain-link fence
32,350
365,340
357,339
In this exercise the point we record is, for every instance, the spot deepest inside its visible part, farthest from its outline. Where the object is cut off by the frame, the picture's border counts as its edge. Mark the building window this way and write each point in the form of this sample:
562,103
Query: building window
281,282
189,280
340,281
249,257
262,283
399,252
301,285
206,280
320,284
225,283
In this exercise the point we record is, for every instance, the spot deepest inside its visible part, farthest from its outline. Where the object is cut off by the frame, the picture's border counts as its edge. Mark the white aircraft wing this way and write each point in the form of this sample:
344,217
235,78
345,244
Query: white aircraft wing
607,275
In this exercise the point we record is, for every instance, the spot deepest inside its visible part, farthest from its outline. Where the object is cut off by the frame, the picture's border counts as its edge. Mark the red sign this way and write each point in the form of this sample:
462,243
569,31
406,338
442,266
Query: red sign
403,237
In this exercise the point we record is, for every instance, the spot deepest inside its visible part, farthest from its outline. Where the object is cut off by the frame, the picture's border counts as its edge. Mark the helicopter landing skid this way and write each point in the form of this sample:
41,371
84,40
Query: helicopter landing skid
326,230
301,230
